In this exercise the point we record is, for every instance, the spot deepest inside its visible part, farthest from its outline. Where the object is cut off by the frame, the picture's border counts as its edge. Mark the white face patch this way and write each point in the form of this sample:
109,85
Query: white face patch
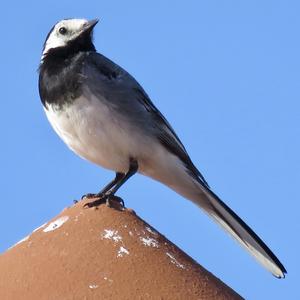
63,32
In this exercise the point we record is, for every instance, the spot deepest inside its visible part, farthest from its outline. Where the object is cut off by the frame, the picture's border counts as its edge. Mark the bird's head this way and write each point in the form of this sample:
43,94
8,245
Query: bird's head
70,35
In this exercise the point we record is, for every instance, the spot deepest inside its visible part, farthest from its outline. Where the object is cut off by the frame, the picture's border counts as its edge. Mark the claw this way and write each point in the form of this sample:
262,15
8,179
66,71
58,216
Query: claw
88,196
107,199
94,203
92,196
119,200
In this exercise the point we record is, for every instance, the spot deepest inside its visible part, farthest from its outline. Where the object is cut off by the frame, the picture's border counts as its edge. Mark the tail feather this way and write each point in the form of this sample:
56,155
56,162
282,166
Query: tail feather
185,181
241,232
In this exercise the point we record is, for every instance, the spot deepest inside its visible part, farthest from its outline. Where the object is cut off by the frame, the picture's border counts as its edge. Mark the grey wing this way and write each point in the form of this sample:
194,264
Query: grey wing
168,137
118,87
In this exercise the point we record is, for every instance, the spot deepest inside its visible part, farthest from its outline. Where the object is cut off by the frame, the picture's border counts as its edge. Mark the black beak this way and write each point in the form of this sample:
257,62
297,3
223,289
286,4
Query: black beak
90,25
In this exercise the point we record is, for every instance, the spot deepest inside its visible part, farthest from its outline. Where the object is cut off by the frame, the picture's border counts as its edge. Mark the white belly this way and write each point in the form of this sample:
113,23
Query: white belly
101,136
95,133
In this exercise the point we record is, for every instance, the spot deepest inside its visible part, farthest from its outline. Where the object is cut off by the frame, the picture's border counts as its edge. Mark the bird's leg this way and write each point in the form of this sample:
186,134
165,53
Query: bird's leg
110,193
119,176
111,184
133,168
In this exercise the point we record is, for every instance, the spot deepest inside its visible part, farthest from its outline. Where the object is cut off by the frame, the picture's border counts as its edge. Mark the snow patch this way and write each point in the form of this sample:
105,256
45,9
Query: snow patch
150,242
151,231
112,235
56,224
175,261
39,227
93,286
20,241
23,239
122,251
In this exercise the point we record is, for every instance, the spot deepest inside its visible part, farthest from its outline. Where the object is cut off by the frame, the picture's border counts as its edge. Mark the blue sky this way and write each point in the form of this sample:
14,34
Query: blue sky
224,73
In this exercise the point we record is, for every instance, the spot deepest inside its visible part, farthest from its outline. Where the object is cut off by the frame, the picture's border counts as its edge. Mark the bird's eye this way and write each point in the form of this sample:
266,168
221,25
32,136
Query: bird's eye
62,30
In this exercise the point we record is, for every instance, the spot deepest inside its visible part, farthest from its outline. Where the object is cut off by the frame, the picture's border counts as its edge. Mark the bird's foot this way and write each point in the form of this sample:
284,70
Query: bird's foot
109,200
112,200
91,196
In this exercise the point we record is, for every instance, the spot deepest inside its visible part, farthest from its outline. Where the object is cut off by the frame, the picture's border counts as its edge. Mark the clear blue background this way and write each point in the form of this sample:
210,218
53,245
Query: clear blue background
224,73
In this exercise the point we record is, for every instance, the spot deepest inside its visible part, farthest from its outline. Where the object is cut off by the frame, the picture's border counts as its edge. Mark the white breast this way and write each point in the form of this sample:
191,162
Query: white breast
96,133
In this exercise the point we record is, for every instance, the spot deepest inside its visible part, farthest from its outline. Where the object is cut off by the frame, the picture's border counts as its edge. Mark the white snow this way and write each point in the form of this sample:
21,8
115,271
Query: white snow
175,261
112,235
20,241
39,227
93,286
151,231
122,251
56,224
150,242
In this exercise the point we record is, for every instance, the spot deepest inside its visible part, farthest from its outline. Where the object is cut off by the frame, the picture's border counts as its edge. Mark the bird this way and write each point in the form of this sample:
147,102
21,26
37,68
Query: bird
105,116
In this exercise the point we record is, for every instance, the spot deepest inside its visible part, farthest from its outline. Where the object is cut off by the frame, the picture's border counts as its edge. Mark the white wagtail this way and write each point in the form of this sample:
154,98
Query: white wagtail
103,114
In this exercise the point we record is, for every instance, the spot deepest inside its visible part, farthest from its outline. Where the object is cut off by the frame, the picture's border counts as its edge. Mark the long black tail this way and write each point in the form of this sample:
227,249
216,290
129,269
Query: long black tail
241,232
